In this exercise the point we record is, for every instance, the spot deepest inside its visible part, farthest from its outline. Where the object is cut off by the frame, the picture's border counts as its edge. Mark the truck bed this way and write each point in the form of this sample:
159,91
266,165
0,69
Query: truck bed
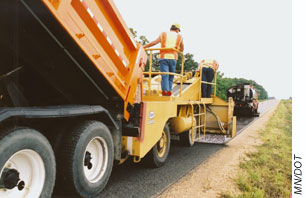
56,68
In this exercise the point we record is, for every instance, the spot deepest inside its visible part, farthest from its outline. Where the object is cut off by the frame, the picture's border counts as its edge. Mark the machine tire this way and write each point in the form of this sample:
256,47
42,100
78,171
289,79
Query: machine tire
87,144
186,138
31,149
157,156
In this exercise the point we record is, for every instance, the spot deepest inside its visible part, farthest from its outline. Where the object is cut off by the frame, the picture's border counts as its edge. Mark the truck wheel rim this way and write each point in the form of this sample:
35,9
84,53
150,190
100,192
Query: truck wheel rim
31,170
96,168
162,145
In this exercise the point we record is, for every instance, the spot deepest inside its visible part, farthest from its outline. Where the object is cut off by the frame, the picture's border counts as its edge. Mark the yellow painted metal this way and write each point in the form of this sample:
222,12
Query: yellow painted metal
156,115
211,120
231,105
123,159
199,113
181,124
131,145
162,145
184,111
191,93
218,101
224,111
136,159
215,87
201,117
150,72
234,127
156,98
207,100
191,116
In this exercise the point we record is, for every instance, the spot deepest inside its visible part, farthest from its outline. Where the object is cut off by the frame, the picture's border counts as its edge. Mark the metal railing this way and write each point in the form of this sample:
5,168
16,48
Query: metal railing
200,120
164,73
214,84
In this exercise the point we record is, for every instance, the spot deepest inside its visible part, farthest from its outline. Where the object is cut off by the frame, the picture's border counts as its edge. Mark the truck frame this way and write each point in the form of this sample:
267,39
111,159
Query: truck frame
74,99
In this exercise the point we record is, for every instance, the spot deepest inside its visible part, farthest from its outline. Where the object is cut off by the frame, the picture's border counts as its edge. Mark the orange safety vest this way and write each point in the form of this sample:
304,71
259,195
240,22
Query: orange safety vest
170,40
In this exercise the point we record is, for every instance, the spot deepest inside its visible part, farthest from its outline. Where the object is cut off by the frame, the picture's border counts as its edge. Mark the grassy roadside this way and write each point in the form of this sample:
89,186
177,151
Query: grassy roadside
267,172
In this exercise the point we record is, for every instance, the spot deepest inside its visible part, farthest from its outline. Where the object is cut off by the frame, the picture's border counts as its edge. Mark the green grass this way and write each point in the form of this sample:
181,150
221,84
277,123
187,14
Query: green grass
267,172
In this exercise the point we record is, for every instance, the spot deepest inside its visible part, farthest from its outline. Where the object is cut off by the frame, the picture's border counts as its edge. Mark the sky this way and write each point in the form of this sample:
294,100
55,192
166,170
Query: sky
250,39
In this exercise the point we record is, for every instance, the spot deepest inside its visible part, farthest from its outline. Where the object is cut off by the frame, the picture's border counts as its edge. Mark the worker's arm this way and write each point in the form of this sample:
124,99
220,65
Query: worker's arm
152,43
216,65
182,46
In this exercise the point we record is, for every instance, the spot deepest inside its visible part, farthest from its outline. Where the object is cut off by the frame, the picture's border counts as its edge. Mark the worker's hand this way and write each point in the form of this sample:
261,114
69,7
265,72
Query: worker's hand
196,74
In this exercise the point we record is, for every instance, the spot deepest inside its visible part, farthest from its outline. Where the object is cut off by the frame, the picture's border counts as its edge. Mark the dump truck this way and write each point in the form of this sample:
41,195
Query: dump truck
74,100
246,100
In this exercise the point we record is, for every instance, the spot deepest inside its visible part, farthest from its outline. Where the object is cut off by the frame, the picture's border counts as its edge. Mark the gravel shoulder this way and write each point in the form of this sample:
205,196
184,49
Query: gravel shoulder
217,174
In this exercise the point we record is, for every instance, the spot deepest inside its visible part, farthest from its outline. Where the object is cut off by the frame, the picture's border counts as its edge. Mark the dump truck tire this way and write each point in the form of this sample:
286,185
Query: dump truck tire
187,138
86,159
159,153
27,164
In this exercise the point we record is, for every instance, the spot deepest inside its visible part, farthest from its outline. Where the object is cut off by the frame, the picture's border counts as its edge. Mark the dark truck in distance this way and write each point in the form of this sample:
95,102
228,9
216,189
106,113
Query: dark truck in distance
246,100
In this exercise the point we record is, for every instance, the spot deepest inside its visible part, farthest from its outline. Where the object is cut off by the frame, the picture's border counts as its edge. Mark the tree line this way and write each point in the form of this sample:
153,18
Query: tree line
223,83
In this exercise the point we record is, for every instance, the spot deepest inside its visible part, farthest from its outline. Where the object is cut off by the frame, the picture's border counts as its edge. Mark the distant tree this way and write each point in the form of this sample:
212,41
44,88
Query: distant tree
134,32
189,65
144,40
155,62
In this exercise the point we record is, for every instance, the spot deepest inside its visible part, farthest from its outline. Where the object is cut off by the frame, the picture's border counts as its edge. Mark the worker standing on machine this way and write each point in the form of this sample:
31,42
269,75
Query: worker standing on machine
253,95
168,58
209,67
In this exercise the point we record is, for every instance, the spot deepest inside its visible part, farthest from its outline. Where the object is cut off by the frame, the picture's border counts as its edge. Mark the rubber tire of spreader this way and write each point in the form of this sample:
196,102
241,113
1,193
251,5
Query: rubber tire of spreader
152,159
185,139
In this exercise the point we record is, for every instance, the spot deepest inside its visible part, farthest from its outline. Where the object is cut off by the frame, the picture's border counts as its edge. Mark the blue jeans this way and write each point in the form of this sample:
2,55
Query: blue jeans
167,65
207,76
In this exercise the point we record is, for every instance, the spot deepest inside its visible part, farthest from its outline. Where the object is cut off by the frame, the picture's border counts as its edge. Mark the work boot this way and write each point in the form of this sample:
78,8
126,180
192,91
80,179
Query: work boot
164,93
169,93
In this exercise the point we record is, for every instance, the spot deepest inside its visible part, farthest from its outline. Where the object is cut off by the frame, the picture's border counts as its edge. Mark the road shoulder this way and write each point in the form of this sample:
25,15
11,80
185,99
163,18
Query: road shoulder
217,174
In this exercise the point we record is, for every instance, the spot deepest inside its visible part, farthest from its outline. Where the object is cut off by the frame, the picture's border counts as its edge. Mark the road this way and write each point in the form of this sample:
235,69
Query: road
262,108
134,180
